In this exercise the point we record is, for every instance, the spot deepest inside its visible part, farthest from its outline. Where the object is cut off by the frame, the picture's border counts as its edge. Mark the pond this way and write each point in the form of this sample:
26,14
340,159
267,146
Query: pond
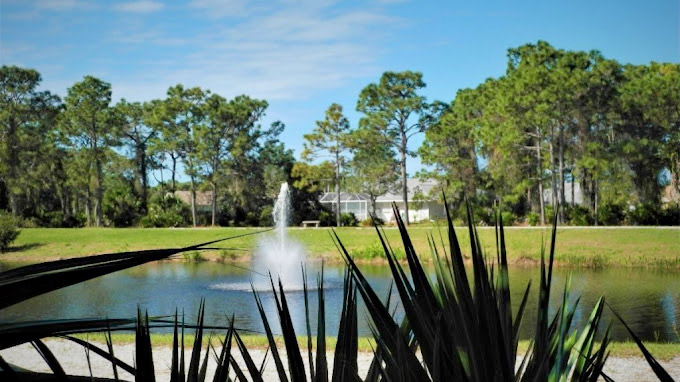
649,300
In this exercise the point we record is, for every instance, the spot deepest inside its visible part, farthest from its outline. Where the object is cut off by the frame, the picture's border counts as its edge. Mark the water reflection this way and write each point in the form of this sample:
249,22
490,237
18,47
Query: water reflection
647,299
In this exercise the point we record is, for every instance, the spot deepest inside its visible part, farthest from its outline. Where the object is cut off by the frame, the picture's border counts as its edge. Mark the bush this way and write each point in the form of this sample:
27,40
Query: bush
670,215
8,230
166,211
120,206
643,214
508,218
266,218
193,256
533,219
369,222
327,218
579,215
348,220
611,214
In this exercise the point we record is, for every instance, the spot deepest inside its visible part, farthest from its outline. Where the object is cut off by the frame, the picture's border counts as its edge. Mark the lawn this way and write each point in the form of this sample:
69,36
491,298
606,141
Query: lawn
590,247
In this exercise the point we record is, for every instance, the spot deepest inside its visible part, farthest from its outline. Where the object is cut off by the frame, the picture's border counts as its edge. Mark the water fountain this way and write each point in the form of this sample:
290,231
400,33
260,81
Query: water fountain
276,254
280,255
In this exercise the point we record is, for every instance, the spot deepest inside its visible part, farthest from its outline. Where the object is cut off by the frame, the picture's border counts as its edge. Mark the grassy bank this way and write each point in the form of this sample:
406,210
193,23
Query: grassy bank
662,351
590,247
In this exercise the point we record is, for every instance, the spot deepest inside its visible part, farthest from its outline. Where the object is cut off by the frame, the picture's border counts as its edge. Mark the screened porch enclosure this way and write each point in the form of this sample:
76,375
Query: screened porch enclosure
357,204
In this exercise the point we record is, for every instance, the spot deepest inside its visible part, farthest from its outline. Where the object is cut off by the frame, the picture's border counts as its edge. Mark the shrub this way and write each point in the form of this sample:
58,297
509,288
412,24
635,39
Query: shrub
194,256
166,211
227,255
611,214
266,218
533,219
549,214
579,215
670,215
643,214
348,220
327,218
120,206
508,218
369,222
8,230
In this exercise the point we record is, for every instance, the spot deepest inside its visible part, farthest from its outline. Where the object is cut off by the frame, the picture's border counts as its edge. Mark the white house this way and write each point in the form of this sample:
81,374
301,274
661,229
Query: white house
427,208
577,193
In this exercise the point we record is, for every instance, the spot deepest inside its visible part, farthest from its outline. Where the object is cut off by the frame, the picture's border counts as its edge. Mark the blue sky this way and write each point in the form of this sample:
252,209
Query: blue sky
304,55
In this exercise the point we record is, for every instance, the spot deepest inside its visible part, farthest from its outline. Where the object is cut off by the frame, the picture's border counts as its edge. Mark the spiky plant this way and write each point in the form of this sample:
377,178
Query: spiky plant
455,328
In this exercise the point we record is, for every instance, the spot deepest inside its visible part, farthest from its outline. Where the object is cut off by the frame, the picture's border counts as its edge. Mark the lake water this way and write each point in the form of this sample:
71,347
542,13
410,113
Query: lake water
649,300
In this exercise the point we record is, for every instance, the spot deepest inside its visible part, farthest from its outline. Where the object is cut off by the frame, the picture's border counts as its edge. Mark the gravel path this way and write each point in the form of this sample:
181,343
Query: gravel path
72,358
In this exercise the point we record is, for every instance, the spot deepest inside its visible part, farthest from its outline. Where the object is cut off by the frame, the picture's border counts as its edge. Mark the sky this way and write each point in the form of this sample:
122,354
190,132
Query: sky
302,56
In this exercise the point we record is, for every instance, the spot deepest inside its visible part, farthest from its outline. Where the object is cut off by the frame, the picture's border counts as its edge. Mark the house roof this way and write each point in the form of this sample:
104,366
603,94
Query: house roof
203,198
330,197
413,185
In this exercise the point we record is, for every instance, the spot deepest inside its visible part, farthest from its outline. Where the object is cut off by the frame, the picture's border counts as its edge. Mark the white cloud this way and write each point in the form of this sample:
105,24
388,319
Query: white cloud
140,6
292,52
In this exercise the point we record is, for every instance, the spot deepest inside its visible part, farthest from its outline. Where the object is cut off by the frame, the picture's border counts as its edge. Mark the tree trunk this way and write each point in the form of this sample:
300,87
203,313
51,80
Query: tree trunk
88,202
193,202
12,146
174,172
539,170
213,201
98,193
374,204
563,199
553,177
529,197
143,177
404,184
573,185
596,201
337,189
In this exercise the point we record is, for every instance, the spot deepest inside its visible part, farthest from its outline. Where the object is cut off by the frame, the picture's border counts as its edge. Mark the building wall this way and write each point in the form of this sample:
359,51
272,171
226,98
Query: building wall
428,211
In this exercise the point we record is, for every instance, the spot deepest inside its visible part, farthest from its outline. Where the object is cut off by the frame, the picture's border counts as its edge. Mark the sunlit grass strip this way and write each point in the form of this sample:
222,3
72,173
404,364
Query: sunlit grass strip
583,247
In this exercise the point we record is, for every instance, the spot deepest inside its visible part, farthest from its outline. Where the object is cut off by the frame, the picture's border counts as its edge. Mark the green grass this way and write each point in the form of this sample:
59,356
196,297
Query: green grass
661,350
637,247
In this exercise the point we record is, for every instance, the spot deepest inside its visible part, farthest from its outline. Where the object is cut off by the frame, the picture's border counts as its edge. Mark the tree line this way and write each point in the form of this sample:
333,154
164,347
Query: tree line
554,118
559,117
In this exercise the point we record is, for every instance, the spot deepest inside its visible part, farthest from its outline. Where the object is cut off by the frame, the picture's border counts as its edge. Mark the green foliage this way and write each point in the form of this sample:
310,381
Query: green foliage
266,218
509,218
9,230
86,125
533,219
312,178
611,214
121,205
579,216
643,214
193,256
652,214
390,107
369,222
166,211
348,219
326,218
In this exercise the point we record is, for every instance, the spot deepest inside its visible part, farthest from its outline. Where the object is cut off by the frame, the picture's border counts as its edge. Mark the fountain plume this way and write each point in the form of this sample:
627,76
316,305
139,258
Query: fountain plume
280,255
